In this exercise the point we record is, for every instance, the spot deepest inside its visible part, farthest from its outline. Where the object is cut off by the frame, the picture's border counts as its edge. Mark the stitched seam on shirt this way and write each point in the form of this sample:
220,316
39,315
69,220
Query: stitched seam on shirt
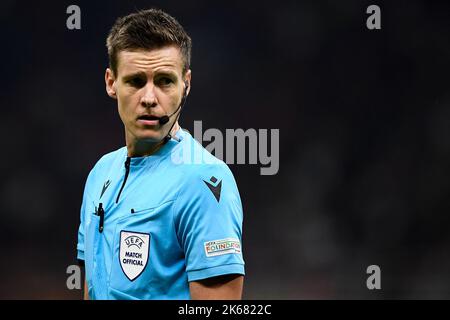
173,220
220,265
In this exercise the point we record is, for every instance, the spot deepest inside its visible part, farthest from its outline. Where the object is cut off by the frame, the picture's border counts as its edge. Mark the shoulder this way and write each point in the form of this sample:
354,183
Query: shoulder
197,163
206,188
204,179
107,161
110,157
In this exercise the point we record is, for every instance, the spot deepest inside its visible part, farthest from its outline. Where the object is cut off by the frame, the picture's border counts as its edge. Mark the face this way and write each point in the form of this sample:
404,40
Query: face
147,86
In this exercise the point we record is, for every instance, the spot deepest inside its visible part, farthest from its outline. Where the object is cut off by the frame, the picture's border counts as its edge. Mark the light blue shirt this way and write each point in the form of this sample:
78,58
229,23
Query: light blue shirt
175,217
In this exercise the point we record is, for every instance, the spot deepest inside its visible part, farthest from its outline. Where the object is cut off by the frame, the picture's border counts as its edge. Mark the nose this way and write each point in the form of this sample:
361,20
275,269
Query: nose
148,98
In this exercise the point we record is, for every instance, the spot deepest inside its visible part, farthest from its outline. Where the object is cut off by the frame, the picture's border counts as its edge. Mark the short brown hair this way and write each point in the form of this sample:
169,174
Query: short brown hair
147,29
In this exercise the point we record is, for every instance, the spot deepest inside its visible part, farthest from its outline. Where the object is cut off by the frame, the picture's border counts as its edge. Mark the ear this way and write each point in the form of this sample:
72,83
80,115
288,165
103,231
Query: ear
187,81
110,82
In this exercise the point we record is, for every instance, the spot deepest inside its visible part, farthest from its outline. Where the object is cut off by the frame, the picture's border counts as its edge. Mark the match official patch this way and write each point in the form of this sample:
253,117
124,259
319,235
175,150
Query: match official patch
222,246
133,253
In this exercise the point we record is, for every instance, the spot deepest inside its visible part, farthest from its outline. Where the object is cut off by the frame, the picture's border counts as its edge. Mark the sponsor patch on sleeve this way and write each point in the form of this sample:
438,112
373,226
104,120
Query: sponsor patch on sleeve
223,246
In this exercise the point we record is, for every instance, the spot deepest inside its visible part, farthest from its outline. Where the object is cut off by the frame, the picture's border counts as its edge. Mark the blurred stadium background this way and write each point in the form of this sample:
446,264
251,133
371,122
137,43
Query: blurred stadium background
364,138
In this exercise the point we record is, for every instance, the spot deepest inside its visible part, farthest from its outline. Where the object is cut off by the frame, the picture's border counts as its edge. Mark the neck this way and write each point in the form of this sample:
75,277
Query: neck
143,148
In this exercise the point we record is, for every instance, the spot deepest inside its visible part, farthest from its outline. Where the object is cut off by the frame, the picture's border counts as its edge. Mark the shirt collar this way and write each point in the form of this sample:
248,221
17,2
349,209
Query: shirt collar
160,154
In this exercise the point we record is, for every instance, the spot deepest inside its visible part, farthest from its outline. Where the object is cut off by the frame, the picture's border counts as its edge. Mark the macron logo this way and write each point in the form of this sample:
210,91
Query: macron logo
215,187
105,186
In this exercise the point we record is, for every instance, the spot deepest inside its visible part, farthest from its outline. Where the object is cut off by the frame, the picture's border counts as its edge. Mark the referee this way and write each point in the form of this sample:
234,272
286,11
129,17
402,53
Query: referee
154,227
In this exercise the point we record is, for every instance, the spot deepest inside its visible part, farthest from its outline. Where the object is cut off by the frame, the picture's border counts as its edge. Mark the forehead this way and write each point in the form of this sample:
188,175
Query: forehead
149,61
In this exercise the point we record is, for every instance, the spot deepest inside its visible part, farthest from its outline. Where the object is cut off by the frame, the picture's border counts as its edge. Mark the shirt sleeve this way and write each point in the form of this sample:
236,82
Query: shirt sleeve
81,228
80,244
208,219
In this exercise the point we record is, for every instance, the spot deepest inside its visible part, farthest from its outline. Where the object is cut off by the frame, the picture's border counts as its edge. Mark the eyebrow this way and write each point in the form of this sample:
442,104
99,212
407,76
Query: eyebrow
143,74
134,75
166,73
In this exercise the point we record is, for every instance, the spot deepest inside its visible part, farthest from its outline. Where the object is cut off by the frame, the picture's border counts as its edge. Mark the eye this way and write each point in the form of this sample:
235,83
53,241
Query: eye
164,81
136,82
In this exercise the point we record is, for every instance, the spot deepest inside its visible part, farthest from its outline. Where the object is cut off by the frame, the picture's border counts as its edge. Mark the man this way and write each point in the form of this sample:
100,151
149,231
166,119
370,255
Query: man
154,227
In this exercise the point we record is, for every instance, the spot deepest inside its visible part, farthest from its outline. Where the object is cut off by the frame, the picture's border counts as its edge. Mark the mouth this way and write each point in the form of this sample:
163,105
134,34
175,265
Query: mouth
148,120
148,117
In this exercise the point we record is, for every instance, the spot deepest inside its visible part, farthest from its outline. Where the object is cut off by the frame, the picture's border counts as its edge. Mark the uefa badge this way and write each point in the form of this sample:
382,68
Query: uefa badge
133,253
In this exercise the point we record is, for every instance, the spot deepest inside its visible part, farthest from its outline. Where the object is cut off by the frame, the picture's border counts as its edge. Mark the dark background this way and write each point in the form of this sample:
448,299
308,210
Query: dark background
364,138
